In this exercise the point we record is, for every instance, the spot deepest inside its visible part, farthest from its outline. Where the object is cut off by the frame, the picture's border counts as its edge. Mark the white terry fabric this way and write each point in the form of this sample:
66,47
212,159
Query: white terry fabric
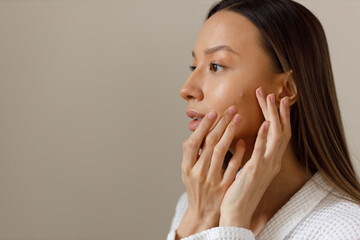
314,212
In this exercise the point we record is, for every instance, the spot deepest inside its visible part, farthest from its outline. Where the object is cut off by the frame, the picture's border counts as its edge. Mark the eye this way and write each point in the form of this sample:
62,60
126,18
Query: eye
215,67
192,68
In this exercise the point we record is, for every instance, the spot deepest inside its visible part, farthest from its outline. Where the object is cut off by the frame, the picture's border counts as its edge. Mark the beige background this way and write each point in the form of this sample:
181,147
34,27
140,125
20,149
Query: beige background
91,121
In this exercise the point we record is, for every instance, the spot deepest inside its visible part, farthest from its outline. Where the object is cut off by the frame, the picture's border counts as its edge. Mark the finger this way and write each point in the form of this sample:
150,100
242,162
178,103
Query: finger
192,144
261,140
213,138
285,121
235,162
221,148
223,121
275,132
260,95
273,112
285,115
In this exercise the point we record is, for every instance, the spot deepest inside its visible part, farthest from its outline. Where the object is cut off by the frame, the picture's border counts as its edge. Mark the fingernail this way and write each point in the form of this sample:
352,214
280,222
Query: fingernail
237,118
272,98
232,110
267,125
212,115
286,102
260,91
241,142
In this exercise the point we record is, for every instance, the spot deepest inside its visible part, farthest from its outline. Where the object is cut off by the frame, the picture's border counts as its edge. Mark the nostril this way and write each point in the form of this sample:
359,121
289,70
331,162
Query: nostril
189,97
191,92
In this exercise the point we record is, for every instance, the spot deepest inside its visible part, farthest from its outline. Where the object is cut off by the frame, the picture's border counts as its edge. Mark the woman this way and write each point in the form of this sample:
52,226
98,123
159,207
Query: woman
268,157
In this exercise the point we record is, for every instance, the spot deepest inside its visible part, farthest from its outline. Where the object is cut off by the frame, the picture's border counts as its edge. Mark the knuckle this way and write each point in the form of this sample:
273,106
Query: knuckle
263,135
184,146
277,166
288,135
255,172
277,137
232,125
233,163
185,168
199,175
189,144
284,113
213,181
250,167
260,147
211,139
219,148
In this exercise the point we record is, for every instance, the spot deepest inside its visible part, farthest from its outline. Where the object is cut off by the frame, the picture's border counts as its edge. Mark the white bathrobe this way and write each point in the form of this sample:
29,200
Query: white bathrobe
312,213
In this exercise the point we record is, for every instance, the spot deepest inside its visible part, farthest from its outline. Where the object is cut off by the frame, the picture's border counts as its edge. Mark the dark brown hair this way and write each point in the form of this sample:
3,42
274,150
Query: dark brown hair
295,40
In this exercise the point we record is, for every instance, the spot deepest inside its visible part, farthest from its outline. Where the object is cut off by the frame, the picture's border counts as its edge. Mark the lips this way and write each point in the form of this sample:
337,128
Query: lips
193,114
196,119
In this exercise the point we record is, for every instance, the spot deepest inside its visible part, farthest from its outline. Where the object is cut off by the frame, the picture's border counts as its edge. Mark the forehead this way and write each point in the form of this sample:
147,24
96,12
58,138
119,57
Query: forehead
228,28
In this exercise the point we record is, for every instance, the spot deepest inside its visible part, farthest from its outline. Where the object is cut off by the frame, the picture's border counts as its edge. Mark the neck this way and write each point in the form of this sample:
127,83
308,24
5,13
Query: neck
287,182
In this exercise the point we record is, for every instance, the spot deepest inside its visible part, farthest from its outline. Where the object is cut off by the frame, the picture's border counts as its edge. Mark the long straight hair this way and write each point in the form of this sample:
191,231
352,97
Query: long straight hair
295,40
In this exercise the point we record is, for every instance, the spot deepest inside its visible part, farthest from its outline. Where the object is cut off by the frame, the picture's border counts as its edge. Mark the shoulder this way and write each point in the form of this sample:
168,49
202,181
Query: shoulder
333,218
339,210
336,207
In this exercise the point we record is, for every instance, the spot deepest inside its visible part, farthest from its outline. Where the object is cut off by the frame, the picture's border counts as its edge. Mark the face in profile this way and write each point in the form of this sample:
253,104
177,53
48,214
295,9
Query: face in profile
229,64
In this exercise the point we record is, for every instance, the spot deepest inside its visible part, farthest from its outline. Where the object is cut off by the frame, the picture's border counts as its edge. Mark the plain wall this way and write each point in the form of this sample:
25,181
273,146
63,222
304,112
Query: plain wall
91,120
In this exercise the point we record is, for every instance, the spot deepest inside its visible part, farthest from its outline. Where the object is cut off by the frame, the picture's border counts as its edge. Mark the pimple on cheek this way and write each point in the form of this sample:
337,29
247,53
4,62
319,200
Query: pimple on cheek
240,97
241,94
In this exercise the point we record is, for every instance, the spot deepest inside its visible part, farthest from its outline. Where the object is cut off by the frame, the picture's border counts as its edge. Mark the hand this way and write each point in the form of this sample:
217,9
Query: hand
245,193
203,176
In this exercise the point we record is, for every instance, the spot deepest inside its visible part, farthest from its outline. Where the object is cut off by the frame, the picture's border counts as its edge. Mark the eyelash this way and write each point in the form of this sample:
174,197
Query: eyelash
192,67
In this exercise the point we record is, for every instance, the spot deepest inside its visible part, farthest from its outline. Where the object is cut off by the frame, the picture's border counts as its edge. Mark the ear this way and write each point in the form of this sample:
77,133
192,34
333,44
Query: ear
287,87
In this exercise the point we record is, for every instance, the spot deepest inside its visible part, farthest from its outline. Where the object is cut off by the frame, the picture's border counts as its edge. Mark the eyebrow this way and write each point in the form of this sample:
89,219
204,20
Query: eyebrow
217,48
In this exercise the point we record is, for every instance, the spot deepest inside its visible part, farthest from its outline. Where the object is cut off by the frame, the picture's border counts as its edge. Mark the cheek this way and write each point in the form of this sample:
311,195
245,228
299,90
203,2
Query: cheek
242,95
219,97
252,116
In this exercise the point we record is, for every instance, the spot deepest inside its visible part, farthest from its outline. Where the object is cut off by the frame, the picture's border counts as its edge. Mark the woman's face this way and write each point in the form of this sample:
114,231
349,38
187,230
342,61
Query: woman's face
230,65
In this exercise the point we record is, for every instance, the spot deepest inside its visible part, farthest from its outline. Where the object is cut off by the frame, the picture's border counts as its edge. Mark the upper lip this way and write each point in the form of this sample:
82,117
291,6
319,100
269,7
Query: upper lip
193,114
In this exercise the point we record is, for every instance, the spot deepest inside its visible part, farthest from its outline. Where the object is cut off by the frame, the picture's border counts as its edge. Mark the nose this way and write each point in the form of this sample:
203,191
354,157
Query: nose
192,88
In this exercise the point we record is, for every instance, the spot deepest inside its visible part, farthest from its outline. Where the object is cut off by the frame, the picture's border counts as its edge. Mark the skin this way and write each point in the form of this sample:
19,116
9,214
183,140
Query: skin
256,129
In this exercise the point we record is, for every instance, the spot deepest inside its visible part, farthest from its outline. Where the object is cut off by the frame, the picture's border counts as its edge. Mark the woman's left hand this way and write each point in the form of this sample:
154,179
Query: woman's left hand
243,196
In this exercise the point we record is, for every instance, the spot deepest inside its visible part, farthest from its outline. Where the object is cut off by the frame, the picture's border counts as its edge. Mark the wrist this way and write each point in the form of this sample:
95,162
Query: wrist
194,222
234,220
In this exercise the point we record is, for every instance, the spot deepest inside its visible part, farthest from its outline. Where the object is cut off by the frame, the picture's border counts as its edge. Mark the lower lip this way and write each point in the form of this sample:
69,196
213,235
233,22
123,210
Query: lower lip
194,124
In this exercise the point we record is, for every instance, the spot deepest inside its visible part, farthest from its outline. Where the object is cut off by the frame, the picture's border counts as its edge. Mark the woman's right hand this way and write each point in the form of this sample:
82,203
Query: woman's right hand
203,175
